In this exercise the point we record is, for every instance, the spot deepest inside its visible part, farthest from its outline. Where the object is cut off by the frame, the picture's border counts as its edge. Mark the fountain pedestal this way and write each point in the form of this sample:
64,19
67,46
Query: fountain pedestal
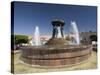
57,36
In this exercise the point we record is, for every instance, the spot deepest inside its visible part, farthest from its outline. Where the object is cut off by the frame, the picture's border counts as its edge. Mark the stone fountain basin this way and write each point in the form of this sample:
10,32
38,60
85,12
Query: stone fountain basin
55,55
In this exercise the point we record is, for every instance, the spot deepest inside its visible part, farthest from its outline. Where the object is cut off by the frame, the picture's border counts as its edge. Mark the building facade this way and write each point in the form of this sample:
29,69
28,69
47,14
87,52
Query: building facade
88,37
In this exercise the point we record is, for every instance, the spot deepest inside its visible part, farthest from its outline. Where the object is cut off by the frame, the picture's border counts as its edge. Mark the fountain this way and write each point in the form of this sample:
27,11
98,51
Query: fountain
57,52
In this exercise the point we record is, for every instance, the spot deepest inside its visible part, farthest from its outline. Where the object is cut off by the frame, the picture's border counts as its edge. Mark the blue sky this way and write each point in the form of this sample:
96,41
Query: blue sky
27,15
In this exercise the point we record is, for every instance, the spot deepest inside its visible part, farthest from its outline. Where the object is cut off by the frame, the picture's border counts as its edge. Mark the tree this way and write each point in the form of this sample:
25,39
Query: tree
19,39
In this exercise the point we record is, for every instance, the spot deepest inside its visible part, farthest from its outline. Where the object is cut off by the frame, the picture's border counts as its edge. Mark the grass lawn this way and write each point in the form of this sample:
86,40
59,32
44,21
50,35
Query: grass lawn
19,67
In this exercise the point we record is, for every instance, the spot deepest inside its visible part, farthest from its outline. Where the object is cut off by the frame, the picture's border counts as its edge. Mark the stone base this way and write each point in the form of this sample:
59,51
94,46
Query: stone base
56,62
55,57
57,41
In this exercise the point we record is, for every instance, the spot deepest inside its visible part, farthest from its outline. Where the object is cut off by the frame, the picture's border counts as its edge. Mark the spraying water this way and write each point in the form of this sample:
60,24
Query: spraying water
36,39
59,33
75,33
